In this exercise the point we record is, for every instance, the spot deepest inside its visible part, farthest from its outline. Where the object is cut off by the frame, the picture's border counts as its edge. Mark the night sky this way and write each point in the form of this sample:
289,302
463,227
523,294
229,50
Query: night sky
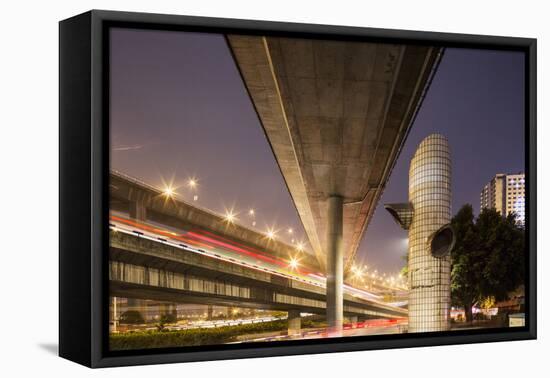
179,110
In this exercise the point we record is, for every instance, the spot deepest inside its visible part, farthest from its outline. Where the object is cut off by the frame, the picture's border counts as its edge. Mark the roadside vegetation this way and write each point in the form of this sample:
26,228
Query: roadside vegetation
488,260
164,338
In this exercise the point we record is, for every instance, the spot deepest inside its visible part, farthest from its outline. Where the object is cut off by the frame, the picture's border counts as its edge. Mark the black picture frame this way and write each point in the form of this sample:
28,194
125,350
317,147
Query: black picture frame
84,175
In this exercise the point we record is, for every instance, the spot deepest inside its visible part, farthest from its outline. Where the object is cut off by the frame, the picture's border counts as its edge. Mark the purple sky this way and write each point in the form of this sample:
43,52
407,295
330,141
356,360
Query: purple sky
179,110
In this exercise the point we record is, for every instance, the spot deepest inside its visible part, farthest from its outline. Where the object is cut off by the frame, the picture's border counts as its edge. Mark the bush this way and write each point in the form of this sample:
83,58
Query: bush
163,338
310,323
131,317
191,337
459,319
168,318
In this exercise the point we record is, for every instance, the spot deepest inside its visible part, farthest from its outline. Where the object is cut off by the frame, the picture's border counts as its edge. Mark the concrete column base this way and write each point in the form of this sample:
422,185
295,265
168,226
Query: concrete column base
294,323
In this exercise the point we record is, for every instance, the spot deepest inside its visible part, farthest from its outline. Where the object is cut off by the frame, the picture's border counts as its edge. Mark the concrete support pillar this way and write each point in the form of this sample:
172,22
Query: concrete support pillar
210,312
113,315
335,266
294,323
138,211
353,321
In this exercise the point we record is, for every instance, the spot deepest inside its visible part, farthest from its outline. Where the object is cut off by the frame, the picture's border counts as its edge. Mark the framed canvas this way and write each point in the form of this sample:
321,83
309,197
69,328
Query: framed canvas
234,188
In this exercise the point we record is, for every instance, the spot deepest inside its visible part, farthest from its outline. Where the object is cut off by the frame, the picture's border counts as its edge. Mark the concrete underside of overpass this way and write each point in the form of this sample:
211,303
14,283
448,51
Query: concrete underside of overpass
145,269
336,114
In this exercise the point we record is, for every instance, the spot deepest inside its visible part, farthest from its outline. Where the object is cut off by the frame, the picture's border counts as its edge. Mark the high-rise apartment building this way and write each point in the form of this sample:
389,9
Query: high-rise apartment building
506,194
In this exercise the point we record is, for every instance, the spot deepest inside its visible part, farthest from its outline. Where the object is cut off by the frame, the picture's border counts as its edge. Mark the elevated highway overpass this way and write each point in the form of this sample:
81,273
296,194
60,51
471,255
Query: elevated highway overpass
143,202
178,253
336,114
145,267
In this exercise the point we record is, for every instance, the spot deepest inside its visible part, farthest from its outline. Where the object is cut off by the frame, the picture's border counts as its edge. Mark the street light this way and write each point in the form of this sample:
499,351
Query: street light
294,263
357,272
251,212
169,192
192,183
270,233
230,217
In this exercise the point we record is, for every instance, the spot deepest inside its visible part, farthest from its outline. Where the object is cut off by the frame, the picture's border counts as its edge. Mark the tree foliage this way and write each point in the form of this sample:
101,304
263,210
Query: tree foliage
199,336
405,270
131,317
488,257
166,319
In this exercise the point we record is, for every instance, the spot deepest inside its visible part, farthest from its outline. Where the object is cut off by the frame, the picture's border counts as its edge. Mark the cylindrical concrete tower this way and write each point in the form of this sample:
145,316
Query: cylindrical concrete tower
429,271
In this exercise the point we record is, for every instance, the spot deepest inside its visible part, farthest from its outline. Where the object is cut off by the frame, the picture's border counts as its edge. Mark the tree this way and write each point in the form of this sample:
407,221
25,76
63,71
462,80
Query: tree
465,256
504,243
405,270
131,317
165,319
487,303
488,257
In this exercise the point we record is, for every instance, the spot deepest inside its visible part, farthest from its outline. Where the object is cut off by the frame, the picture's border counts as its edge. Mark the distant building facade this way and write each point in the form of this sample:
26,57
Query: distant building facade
506,194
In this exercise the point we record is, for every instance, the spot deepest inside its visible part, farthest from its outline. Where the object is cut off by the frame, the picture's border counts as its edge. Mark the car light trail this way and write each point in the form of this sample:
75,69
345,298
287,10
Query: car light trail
204,242
199,251
233,248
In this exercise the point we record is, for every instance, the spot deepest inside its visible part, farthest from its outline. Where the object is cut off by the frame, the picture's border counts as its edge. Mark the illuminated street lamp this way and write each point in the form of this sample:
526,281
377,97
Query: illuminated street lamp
294,263
270,234
300,247
229,216
192,183
357,272
169,192
252,214
290,231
